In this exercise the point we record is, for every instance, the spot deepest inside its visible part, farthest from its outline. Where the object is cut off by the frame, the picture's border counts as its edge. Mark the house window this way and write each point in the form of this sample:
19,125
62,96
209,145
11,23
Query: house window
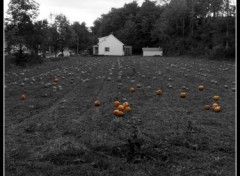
107,49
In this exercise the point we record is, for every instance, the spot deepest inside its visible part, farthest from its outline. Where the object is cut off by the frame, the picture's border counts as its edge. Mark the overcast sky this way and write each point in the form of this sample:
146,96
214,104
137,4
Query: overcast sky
79,10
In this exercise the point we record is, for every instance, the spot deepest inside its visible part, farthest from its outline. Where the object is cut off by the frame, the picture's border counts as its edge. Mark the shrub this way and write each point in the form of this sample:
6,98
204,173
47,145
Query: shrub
24,59
10,61
222,52
35,59
21,58
230,52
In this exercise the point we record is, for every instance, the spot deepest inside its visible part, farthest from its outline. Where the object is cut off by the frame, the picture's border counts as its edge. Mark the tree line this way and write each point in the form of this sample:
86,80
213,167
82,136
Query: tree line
196,27
180,27
24,31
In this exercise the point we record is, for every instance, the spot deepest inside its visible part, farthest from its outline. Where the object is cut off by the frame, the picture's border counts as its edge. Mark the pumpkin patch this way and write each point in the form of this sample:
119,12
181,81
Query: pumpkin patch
121,123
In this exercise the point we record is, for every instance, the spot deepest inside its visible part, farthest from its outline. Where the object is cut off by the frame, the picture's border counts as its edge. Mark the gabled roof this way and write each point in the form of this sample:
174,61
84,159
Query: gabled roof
101,39
152,49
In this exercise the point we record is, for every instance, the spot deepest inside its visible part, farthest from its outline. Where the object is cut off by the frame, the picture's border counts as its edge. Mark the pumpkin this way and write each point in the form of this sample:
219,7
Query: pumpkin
214,105
159,92
116,112
120,108
216,97
182,94
138,85
23,97
127,109
120,113
116,103
97,103
207,107
201,88
131,89
56,80
125,104
217,109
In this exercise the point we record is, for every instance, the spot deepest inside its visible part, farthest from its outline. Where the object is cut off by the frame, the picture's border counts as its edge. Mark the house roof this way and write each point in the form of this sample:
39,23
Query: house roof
152,49
101,39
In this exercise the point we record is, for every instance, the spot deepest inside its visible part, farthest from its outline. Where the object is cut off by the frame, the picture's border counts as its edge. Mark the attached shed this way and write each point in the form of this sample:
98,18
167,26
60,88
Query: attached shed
127,50
152,51
110,45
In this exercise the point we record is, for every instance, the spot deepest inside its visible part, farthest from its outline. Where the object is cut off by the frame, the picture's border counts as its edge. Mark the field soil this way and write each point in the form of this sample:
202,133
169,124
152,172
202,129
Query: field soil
58,131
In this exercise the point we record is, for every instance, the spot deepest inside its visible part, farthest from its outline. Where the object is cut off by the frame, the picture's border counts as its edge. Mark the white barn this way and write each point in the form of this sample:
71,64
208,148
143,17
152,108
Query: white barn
152,51
110,45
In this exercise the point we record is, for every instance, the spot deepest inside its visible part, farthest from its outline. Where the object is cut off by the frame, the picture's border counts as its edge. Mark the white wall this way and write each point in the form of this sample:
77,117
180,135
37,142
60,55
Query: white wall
115,46
152,53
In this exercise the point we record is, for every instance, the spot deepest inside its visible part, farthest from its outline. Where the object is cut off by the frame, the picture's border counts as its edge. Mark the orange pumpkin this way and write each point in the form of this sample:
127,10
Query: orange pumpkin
131,89
116,103
116,112
216,97
138,85
120,113
127,109
120,107
182,94
56,80
217,109
207,107
159,92
201,88
23,97
214,105
125,104
97,103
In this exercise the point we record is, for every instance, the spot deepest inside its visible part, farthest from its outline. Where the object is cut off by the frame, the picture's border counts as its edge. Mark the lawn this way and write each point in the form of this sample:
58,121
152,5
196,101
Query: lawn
58,131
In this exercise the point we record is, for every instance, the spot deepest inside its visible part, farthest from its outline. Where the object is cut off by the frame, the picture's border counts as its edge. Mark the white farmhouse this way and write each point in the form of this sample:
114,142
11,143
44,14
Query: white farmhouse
110,45
152,51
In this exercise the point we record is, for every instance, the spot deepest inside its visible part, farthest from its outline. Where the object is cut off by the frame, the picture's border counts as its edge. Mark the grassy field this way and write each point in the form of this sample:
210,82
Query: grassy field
57,130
